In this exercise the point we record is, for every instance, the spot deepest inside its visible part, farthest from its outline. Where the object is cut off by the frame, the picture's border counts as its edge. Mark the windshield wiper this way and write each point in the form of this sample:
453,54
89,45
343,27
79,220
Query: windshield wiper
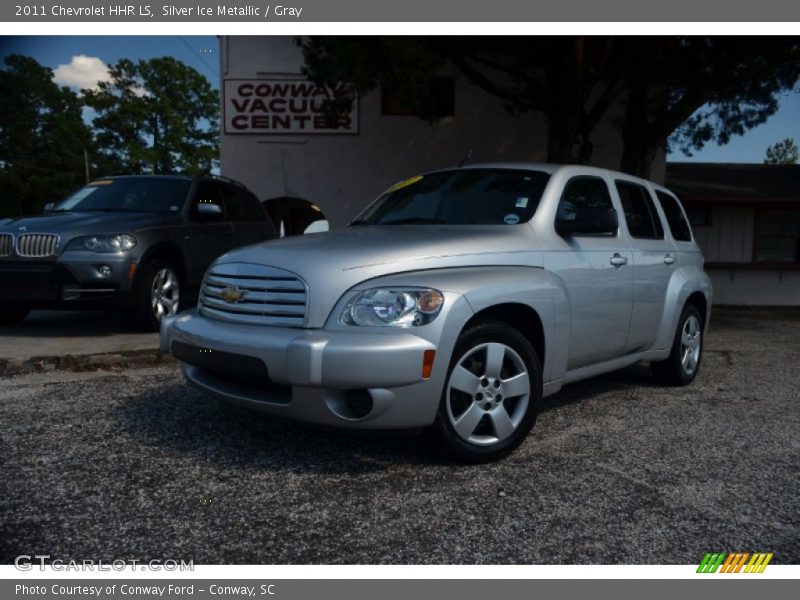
414,221
359,222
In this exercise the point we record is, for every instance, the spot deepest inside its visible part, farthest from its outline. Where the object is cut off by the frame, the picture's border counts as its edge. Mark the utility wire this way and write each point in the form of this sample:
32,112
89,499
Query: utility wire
198,55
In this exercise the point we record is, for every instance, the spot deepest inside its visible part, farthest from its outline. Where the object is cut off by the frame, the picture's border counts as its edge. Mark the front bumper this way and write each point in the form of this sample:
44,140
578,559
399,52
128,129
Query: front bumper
310,375
73,280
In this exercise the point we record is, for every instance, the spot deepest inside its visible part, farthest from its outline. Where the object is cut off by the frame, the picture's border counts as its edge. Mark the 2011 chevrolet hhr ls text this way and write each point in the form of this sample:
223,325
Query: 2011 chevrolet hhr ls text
457,300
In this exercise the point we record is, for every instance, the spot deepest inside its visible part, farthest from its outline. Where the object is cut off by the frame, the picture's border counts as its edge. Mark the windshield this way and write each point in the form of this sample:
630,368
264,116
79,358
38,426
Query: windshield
128,194
462,197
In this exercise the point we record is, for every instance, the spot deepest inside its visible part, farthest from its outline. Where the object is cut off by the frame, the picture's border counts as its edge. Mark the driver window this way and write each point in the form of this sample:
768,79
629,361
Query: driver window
583,192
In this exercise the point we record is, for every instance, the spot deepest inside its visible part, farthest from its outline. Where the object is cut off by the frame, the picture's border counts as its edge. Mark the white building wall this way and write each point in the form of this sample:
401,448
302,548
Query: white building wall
729,239
343,173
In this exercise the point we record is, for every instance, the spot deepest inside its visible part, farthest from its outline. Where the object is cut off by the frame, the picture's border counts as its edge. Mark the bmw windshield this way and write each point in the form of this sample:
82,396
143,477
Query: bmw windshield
128,194
460,197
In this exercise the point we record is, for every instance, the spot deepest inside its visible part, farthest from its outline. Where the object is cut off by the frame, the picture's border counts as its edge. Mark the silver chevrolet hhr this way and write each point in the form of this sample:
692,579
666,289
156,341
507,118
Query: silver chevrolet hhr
457,300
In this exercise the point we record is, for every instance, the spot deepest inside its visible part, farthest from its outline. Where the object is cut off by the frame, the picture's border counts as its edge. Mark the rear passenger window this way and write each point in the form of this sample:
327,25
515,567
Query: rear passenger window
640,211
675,217
241,204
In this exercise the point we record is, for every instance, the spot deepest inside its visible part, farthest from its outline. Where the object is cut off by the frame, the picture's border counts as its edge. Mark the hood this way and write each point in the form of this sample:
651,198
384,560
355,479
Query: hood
331,263
82,223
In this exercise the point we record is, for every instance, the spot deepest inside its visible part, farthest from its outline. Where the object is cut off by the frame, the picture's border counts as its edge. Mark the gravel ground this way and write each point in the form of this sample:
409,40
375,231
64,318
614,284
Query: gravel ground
135,465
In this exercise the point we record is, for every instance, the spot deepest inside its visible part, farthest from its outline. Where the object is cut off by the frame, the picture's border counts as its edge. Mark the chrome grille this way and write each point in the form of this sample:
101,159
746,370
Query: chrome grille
6,244
254,294
37,245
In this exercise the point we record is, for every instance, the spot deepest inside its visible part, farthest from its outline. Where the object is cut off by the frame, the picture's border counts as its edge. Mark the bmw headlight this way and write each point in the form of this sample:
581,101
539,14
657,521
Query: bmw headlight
107,244
387,307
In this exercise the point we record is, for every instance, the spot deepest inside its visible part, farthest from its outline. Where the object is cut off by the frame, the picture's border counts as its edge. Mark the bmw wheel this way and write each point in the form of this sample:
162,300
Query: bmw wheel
158,294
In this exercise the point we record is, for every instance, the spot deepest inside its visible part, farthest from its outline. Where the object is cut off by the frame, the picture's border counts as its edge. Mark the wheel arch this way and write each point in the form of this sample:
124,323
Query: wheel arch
521,317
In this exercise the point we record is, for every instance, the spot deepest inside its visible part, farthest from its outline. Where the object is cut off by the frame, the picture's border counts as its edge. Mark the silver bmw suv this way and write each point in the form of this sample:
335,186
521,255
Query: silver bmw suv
457,300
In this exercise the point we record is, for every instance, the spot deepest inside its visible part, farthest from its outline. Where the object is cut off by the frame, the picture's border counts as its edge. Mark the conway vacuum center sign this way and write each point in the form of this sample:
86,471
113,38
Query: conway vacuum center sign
281,106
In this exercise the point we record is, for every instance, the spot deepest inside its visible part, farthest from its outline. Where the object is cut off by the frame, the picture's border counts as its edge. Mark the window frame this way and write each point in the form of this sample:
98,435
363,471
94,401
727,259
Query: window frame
679,204
650,203
610,196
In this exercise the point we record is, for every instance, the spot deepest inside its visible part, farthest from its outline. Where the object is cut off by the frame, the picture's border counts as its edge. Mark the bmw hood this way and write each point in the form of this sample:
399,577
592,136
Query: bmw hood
332,263
74,224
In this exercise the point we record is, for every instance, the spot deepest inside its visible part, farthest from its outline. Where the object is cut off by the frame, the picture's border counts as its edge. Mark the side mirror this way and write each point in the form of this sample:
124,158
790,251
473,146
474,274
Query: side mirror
587,221
208,211
49,207
317,227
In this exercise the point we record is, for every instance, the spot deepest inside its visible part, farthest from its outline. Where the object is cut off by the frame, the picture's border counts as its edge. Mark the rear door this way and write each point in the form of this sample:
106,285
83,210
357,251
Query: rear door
248,217
597,271
654,260
209,235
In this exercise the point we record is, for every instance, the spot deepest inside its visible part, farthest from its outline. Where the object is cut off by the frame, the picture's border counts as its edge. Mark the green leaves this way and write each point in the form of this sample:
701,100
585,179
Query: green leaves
42,137
786,152
156,116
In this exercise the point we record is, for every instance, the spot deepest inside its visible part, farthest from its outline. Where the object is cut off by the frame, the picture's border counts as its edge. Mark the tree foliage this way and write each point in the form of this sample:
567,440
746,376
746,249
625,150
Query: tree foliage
42,137
786,152
155,116
688,89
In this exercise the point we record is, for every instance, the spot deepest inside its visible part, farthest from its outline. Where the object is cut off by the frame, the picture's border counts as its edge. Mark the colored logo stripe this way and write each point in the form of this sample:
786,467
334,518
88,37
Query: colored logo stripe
734,562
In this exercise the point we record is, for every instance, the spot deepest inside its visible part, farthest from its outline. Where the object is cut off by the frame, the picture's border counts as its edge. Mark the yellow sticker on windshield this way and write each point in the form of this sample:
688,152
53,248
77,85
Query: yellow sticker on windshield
405,183
102,182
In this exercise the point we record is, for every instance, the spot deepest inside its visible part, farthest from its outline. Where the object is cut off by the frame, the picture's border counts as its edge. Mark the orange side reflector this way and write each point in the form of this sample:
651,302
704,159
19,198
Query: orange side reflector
131,271
427,363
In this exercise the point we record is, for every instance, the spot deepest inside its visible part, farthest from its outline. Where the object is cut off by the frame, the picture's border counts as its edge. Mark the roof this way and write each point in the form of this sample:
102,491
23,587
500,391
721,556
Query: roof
734,182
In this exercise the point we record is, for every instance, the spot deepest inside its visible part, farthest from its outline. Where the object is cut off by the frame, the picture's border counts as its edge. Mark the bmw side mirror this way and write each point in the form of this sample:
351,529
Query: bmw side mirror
587,221
209,211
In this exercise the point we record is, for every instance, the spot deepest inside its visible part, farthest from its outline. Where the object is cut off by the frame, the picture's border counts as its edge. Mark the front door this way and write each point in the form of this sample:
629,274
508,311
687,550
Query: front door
597,272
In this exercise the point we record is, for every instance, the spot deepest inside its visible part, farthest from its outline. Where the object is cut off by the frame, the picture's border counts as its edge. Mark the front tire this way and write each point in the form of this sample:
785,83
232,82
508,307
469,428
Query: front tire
11,314
683,363
158,294
492,394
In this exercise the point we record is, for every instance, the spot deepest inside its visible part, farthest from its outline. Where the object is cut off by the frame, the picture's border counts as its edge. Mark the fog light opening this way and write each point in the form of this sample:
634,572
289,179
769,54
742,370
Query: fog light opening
427,363
359,403
104,270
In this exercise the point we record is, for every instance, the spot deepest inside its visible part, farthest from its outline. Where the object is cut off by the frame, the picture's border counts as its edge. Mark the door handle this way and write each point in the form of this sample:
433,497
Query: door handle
618,260
669,259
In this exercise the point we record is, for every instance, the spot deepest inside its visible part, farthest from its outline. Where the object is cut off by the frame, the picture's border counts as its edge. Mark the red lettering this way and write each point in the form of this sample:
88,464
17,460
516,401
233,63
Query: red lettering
246,89
239,122
240,105
277,105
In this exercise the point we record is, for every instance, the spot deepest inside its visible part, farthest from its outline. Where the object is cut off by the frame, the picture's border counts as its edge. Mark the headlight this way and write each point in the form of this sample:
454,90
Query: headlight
386,307
103,243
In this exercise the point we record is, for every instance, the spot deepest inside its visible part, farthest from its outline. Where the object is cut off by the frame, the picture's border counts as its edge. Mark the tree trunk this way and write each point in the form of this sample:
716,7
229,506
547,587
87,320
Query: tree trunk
567,142
638,146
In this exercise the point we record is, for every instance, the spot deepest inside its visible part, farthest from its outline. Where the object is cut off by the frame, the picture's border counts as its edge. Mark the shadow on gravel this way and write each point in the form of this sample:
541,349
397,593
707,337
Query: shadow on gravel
184,421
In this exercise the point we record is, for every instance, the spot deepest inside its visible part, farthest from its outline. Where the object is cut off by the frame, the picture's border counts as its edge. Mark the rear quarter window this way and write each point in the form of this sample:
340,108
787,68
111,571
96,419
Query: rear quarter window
676,220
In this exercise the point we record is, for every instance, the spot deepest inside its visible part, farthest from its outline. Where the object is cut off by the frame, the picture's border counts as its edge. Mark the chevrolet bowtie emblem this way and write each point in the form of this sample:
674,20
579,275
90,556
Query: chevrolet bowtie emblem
232,294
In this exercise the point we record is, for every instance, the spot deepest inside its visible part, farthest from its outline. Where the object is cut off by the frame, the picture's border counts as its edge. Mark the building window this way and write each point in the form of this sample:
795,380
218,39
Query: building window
777,236
443,99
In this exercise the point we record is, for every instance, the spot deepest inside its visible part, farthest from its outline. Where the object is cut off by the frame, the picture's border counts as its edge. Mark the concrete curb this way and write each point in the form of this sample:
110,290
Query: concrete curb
83,362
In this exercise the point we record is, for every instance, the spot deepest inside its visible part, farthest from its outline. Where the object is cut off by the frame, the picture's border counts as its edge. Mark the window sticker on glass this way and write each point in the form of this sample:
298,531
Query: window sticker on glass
102,182
522,202
511,219
405,183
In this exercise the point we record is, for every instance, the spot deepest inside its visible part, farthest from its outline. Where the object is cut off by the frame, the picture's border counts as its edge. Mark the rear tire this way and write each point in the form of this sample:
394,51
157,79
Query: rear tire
11,314
683,363
157,294
492,394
